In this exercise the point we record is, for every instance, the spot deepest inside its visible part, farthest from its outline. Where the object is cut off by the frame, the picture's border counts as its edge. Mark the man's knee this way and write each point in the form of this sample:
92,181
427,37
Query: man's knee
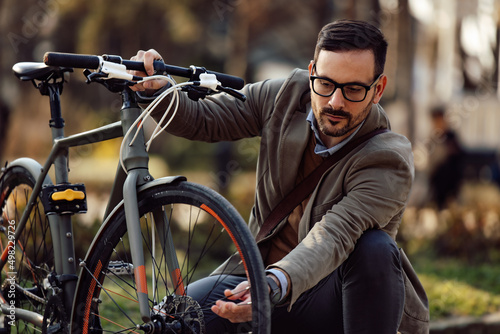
375,251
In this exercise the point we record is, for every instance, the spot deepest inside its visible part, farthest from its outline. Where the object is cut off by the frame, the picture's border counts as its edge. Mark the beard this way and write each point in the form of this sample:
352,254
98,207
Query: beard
331,128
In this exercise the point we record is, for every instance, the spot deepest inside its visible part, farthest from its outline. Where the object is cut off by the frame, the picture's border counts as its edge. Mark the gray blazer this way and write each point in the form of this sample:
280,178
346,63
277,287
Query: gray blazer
368,188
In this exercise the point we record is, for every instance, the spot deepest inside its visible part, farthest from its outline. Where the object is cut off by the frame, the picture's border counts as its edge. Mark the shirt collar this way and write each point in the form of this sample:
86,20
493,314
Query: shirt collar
320,148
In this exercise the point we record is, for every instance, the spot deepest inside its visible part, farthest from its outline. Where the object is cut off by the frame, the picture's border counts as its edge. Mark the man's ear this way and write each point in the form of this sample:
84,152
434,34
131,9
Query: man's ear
379,89
310,67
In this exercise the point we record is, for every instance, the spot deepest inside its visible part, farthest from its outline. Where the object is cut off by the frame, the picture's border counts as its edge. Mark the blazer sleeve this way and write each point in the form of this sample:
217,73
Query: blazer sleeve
223,117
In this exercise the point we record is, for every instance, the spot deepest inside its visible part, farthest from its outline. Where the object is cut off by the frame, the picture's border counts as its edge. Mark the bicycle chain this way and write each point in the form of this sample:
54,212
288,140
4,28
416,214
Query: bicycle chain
30,294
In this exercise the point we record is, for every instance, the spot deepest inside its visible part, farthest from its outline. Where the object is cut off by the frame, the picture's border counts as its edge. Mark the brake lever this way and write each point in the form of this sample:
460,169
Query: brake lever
112,84
93,76
232,92
209,81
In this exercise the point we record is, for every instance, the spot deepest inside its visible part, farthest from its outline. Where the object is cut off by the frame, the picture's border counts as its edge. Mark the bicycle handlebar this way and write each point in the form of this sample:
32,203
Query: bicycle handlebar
94,62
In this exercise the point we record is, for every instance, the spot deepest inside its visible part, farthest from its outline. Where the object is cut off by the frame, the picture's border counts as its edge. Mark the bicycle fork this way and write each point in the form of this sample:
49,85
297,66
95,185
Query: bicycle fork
135,160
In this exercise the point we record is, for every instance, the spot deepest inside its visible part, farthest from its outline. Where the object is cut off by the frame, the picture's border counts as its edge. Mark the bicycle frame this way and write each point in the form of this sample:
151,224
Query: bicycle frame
125,188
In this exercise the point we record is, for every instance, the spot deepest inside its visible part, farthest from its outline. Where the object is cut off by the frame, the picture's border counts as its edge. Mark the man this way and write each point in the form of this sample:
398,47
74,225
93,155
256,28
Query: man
334,258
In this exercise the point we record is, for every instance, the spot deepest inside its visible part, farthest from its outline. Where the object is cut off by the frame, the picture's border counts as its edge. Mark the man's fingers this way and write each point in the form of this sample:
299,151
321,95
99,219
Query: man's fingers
239,292
235,313
155,84
139,56
149,57
150,85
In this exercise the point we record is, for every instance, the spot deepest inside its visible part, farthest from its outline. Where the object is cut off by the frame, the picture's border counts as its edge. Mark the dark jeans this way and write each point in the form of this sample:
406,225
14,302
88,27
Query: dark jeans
364,295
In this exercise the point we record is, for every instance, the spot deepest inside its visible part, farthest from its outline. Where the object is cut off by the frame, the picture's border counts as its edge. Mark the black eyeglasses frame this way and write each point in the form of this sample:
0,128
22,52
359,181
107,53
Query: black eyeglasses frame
341,86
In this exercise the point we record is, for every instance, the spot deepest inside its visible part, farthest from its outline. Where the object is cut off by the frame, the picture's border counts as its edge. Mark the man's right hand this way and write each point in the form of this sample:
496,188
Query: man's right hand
148,57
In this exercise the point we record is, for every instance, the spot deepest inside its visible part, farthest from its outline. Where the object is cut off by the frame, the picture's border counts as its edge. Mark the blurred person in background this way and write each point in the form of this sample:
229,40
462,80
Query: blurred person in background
446,160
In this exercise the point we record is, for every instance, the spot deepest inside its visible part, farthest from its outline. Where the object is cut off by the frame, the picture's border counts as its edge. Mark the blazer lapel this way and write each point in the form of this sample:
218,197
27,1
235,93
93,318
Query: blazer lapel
293,142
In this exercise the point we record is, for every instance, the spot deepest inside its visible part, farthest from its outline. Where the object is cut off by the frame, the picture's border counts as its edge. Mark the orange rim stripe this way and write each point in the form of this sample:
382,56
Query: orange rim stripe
210,211
89,298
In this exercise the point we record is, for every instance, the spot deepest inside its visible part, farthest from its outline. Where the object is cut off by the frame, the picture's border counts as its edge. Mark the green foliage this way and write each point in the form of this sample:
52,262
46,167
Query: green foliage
456,288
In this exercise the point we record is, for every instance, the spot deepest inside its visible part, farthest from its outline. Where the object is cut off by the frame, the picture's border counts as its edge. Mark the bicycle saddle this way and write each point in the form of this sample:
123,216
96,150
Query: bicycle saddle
37,71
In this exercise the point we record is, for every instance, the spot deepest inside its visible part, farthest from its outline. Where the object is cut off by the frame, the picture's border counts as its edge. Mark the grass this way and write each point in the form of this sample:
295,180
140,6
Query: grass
456,288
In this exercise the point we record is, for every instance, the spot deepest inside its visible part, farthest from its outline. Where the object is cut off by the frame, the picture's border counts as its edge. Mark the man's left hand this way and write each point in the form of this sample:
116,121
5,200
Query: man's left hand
236,312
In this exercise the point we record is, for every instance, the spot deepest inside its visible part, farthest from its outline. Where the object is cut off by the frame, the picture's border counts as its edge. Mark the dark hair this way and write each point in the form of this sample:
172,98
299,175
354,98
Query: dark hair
348,35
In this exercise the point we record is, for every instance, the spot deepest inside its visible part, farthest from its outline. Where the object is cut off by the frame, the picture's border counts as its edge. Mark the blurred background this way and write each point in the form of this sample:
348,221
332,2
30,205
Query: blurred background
442,94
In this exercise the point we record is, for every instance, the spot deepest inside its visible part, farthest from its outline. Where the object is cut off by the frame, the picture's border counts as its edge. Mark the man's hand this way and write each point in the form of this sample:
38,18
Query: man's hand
148,57
235,312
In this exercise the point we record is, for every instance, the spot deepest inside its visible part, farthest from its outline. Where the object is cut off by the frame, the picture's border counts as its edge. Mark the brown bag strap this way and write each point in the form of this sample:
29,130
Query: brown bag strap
306,187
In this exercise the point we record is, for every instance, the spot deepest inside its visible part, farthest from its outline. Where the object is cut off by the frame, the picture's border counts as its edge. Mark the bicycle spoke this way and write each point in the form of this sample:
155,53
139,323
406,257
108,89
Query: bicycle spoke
108,294
124,329
115,282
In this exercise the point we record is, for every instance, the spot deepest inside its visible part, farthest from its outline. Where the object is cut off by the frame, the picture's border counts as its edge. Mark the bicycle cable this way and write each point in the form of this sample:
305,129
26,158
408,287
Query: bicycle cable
161,124
207,80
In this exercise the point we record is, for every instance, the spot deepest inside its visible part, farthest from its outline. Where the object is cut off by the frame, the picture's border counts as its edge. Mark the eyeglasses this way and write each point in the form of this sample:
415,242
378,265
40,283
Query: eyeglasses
354,92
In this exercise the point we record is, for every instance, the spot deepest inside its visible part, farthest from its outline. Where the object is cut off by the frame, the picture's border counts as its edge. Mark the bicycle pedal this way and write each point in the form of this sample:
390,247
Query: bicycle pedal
64,199
120,268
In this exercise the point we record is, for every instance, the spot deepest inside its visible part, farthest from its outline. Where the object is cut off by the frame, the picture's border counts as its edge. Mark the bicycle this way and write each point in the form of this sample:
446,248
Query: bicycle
156,235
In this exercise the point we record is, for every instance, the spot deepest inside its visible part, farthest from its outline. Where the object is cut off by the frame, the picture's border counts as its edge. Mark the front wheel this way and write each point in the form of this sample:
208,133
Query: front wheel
196,224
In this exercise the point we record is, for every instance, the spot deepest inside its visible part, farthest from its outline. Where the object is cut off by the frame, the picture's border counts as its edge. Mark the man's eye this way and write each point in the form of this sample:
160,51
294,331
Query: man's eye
325,83
353,89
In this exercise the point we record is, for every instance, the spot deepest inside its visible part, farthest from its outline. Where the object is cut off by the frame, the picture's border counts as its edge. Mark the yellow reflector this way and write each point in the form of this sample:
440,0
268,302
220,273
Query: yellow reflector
68,195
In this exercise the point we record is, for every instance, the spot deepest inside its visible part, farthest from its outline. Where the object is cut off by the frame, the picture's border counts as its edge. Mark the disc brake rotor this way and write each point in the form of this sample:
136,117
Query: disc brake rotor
182,313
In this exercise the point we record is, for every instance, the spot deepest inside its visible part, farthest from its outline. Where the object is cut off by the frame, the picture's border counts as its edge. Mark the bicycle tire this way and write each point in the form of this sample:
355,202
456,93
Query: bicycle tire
34,255
103,297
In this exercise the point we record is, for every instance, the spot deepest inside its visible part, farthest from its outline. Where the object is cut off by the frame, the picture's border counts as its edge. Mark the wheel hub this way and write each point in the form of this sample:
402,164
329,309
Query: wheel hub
178,314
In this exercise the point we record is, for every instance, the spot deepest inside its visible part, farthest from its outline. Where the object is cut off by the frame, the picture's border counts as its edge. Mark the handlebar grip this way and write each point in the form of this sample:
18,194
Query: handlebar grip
71,60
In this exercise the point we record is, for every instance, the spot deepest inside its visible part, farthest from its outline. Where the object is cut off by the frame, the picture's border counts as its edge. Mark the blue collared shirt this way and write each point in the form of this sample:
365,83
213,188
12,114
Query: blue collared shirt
320,148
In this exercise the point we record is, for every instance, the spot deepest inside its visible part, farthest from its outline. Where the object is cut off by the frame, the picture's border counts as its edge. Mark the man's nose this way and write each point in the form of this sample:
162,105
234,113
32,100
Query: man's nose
337,100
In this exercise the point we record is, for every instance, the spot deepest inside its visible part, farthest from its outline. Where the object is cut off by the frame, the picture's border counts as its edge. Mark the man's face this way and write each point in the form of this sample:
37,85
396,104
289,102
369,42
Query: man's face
336,116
